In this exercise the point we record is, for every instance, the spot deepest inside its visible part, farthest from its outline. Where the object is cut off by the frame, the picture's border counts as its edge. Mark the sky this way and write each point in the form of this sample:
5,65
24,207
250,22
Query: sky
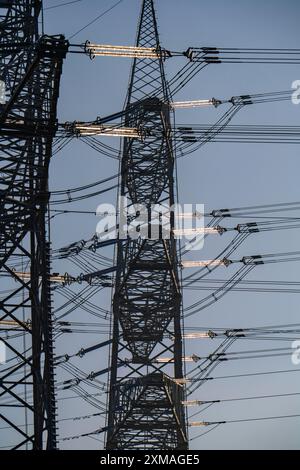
217,175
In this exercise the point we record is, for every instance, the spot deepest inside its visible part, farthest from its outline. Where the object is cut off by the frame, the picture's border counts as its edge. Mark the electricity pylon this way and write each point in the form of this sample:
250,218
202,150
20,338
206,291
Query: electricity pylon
30,69
145,400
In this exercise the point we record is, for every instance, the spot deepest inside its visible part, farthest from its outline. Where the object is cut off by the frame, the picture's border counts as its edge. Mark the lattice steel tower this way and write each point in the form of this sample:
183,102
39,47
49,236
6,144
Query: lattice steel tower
30,68
145,403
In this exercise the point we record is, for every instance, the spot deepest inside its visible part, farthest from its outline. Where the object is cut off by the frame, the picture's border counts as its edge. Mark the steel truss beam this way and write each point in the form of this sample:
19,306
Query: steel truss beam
28,124
145,404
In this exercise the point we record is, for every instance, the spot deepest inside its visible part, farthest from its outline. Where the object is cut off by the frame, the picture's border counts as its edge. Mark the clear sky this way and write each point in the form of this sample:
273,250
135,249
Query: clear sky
217,175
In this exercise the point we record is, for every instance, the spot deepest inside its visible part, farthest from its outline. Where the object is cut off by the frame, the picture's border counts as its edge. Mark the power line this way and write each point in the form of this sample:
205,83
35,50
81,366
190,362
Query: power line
259,397
264,418
253,374
218,423
96,19
62,4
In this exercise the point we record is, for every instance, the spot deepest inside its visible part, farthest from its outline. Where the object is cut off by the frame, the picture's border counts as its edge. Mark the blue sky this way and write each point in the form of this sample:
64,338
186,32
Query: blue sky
217,175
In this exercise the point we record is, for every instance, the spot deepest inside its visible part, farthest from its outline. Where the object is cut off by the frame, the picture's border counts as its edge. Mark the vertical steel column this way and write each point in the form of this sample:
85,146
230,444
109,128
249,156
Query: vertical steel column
31,68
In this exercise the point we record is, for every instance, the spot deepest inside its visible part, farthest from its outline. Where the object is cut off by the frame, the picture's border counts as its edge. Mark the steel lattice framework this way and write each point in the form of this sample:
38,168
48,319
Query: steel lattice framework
145,403
30,66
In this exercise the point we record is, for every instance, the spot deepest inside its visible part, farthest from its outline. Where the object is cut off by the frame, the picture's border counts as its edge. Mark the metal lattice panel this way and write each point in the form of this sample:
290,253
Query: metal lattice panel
147,416
31,68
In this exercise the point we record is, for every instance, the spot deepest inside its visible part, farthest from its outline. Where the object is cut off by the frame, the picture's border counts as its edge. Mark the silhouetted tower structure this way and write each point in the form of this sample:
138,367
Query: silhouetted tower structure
30,68
145,402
